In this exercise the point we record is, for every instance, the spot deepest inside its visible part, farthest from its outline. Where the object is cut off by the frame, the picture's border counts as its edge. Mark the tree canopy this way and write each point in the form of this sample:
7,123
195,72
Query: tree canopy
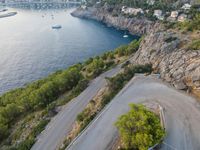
139,129
36,95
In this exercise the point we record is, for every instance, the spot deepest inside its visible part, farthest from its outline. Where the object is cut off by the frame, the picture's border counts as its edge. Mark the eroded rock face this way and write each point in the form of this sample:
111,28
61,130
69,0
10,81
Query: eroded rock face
175,64
136,26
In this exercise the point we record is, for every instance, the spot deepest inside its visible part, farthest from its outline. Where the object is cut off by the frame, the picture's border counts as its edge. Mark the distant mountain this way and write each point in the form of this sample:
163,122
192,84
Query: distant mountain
2,1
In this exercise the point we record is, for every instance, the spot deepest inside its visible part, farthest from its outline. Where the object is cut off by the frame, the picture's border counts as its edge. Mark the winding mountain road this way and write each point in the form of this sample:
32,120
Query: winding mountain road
61,124
182,116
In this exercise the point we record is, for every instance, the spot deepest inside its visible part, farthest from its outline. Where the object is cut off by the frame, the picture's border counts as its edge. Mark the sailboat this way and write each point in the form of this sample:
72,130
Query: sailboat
125,35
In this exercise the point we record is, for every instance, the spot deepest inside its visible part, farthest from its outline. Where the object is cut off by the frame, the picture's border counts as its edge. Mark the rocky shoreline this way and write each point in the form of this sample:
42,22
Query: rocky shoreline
164,49
133,25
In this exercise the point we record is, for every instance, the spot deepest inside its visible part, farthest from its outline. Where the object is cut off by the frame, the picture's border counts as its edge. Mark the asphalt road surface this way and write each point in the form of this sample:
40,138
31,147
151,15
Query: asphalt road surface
182,116
61,124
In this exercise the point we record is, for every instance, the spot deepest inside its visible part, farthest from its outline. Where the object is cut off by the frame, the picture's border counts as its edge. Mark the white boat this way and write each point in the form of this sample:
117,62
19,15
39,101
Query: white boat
125,36
56,27
8,14
3,10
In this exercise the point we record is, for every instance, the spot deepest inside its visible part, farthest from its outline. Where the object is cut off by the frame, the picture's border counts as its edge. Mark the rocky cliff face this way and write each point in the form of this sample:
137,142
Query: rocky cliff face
162,48
136,26
175,64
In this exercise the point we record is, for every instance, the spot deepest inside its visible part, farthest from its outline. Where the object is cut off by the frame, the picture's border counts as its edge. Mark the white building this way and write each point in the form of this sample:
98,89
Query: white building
147,11
123,8
98,2
84,7
186,6
131,11
182,17
174,14
158,14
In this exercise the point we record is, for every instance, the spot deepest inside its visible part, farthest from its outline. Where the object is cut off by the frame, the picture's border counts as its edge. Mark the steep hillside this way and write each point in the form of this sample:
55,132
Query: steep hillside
139,2
171,59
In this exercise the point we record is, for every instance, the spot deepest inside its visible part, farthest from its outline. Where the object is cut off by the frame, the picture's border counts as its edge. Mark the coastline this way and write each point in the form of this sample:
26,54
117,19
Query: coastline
133,25
63,50
175,63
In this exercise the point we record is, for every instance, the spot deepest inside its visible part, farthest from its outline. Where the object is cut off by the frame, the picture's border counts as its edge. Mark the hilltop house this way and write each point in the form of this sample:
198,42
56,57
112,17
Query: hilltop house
158,14
186,6
182,17
83,7
174,14
131,11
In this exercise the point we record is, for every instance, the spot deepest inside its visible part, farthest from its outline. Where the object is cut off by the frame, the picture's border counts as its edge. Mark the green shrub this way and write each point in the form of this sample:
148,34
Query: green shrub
39,128
121,51
80,117
3,130
86,121
25,145
133,46
195,45
126,50
107,98
37,95
82,84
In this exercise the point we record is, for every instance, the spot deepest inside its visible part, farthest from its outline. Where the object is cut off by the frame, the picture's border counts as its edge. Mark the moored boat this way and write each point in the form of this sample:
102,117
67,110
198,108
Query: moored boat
56,27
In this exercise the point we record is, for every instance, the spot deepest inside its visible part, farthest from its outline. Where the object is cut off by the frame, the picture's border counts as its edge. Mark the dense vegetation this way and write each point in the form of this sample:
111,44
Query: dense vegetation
43,94
195,45
139,129
190,25
161,4
36,96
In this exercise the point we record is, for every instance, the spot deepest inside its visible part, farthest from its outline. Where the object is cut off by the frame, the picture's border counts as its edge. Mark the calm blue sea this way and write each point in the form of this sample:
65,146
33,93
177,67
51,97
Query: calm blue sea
30,49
